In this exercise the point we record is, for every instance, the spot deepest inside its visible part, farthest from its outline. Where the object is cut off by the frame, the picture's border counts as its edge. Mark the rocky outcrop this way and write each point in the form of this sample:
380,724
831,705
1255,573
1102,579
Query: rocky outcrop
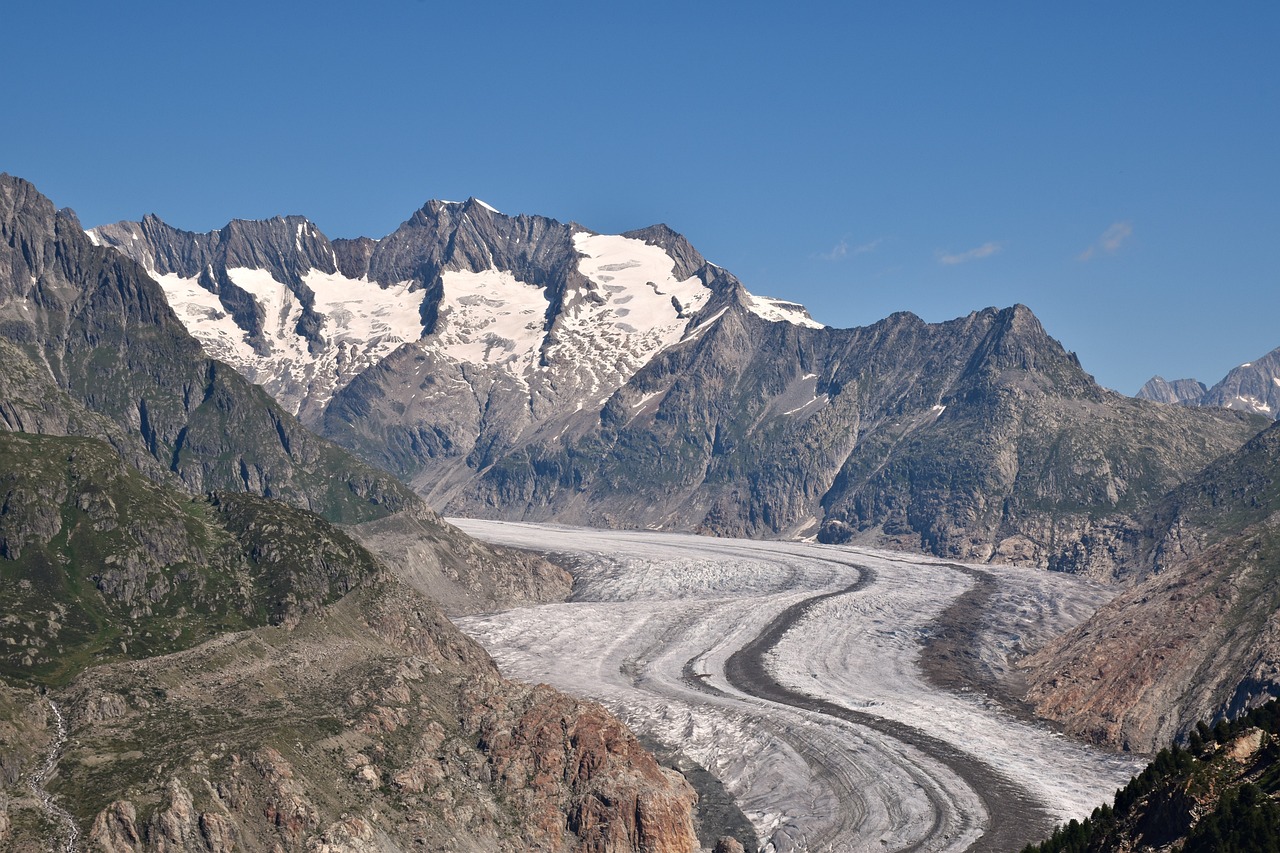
374,725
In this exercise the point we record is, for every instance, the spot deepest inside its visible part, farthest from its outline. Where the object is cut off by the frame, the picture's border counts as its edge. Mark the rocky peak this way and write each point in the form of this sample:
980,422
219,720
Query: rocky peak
689,261
287,247
1252,387
1188,392
1017,352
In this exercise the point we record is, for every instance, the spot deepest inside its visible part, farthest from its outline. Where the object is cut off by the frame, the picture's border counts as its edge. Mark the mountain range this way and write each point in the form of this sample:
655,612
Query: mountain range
219,451
522,368
1252,387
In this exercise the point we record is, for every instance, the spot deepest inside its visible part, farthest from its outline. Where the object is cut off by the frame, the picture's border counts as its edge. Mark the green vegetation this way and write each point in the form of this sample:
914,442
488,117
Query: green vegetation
1160,804
98,563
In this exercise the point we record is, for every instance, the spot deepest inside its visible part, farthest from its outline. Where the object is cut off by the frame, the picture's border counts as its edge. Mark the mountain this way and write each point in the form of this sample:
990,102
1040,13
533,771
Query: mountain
98,330
1159,390
90,347
1198,636
1252,387
541,371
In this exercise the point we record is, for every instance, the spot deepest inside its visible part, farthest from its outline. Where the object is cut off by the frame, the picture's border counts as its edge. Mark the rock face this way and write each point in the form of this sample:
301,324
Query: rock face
1198,636
551,373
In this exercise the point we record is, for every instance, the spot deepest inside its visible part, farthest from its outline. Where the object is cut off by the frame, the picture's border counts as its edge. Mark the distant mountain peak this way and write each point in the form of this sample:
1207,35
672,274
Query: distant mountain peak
1254,386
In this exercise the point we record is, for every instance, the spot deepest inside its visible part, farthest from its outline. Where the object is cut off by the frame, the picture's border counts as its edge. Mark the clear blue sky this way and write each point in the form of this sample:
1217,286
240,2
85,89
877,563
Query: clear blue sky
1111,165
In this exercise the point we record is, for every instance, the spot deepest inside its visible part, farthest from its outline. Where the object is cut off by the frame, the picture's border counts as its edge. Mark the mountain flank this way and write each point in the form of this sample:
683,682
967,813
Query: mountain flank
1196,635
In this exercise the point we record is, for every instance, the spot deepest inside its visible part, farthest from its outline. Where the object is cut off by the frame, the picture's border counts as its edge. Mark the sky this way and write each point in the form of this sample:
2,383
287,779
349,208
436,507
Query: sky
1114,166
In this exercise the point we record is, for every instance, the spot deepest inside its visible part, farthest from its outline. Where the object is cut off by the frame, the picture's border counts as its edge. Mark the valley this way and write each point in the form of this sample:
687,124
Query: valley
833,738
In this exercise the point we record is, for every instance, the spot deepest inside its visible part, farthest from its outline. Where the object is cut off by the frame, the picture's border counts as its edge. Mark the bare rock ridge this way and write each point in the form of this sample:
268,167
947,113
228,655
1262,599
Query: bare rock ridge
546,372
1160,390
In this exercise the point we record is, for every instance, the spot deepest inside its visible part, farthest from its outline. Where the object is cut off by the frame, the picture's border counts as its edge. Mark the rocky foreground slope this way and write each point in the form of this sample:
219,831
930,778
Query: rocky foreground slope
522,368
1218,794
361,719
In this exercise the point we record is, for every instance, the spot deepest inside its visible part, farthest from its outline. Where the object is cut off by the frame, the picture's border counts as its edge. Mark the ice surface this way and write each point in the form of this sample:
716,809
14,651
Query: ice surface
655,616
491,318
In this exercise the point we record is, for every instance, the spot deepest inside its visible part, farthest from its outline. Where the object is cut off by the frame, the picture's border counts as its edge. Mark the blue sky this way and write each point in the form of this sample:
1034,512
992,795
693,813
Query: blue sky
1111,165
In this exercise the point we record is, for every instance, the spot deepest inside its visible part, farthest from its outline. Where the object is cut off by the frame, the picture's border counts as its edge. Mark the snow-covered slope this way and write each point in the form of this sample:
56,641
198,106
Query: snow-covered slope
360,324
275,300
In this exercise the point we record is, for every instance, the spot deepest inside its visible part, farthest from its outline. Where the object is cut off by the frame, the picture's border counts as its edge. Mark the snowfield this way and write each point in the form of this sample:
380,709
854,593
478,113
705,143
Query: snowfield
841,744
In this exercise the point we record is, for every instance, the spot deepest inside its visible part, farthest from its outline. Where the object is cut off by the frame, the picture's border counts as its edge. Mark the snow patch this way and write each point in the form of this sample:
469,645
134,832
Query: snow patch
488,207
820,398
491,318
631,308
781,311
93,237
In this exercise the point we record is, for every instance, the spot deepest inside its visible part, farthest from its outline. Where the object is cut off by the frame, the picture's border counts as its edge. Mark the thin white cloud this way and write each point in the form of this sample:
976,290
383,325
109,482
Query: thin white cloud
1110,241
843,249
986,250
838,251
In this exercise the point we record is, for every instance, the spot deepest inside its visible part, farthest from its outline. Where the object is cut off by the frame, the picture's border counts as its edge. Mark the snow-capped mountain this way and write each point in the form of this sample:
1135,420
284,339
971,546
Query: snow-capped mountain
520,367
1252,387
555,310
